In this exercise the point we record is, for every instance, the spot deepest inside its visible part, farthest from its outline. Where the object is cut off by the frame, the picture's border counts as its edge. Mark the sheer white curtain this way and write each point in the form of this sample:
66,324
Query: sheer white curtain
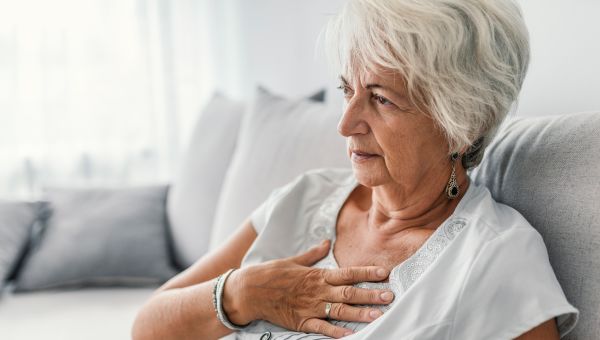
98,92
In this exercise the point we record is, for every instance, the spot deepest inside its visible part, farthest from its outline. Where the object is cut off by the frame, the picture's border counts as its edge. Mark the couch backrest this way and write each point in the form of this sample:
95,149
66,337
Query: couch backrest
548,168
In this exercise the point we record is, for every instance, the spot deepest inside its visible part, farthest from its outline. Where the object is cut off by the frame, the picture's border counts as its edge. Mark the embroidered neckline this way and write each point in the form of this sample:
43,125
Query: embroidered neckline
404,274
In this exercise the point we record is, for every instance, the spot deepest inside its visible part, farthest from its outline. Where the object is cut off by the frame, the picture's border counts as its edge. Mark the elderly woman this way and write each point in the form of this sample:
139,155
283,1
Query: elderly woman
403,246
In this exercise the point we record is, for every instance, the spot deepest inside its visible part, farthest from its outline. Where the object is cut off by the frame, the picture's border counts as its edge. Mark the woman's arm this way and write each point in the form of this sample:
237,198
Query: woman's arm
286,292
545,331
182,308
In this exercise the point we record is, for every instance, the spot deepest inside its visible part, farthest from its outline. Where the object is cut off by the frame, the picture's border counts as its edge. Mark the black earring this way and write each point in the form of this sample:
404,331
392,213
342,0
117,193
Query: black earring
452,189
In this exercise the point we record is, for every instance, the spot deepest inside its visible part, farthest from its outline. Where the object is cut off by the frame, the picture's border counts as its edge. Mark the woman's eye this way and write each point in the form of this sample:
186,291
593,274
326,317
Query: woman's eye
345,90
382,100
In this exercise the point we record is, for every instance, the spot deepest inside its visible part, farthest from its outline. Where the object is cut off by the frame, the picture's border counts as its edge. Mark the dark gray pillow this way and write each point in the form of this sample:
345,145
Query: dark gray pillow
16,220
549,170
100,237
318,96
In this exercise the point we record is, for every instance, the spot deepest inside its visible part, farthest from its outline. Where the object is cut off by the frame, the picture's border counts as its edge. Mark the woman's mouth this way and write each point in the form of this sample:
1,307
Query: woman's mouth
359,156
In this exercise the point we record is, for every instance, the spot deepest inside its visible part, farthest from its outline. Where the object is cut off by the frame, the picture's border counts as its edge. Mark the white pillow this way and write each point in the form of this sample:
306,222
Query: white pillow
193,196
279,139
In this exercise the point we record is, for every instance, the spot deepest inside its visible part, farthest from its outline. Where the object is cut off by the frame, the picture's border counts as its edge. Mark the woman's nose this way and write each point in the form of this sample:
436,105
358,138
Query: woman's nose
352,121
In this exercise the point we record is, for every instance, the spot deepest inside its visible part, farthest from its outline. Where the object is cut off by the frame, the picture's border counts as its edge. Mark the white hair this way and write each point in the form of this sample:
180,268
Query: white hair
464,61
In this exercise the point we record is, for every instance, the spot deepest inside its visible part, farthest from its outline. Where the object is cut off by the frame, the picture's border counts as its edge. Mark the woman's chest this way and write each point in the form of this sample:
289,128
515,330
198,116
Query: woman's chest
356,245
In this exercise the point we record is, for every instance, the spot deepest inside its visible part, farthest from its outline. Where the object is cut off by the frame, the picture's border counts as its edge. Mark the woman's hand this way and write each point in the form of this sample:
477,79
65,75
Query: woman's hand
291,294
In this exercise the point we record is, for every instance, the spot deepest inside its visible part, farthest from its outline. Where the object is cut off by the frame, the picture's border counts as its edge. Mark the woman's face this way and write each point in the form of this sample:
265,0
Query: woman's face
389,140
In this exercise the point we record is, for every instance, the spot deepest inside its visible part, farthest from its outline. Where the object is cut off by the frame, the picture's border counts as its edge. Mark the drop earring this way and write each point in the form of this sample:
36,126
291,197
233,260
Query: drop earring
452,189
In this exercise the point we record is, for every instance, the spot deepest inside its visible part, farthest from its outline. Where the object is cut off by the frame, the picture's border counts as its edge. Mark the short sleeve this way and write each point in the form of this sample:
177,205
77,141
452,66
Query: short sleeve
510,289
258,217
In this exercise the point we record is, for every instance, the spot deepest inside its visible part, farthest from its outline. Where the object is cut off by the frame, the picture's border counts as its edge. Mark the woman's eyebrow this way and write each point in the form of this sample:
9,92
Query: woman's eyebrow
378,86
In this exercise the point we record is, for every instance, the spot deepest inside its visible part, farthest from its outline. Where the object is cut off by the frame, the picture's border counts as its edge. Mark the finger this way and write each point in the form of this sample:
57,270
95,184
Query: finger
344,312
325,328
359,296
351,275
313,255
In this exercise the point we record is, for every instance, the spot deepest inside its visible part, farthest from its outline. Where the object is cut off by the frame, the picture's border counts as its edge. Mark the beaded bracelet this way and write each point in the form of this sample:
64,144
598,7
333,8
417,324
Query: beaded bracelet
218,301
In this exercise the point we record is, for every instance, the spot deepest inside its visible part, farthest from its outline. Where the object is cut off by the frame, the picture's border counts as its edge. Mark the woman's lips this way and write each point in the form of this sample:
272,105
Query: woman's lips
359,156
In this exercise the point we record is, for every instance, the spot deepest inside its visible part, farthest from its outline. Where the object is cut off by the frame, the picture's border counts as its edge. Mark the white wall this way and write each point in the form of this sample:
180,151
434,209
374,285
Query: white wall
272,42
564,74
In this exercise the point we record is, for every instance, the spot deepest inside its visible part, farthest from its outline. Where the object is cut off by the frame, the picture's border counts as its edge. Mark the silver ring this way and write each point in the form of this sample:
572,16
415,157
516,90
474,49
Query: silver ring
327,309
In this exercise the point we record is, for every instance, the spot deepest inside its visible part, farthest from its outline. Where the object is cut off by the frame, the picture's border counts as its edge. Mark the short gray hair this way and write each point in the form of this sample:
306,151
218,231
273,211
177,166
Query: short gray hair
464,61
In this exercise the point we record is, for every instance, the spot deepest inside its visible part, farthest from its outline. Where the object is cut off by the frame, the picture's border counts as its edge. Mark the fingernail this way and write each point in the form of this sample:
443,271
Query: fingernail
381,272
374,314
348,333
387,296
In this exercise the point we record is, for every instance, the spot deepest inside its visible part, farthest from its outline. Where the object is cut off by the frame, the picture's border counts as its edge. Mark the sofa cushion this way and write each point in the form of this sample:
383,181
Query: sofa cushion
90,314
549,170
16,221
100,237
279,139
193,197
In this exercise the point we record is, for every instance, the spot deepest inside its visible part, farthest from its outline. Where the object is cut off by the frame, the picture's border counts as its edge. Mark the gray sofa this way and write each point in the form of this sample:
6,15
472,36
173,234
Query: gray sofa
93,256
547,168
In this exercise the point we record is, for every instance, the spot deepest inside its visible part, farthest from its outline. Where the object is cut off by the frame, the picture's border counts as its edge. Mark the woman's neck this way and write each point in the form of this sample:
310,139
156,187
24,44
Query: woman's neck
392,212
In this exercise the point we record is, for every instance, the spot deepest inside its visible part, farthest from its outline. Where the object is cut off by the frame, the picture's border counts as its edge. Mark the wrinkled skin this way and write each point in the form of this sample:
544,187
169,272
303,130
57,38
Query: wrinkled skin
293,295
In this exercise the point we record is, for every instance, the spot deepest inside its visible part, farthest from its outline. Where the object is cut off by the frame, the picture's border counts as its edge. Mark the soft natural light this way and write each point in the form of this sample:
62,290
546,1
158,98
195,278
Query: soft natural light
97,92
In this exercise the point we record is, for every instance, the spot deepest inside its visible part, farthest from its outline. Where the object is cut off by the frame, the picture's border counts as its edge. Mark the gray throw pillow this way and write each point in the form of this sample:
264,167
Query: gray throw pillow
548,169
16,220
100,237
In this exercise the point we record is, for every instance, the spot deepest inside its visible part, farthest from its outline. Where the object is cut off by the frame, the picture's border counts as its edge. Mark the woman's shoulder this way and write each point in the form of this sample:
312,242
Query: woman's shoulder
492,218
300,195
289,220
510,270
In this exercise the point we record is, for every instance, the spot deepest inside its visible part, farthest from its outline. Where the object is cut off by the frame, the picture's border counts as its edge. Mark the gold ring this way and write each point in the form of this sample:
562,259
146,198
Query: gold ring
327,309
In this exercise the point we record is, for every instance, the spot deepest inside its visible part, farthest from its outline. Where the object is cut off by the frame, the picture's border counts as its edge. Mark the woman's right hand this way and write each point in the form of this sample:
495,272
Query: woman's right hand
291,294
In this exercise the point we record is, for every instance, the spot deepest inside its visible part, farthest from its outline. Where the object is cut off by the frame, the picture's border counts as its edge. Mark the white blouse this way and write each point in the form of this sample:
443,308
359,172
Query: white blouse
483,274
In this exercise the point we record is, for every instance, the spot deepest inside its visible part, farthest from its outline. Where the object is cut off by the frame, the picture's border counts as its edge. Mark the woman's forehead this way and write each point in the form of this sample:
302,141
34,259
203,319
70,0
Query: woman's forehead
381,76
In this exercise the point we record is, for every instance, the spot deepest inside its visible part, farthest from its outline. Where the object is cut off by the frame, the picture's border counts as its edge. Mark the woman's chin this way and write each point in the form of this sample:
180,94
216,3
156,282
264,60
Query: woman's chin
369,176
